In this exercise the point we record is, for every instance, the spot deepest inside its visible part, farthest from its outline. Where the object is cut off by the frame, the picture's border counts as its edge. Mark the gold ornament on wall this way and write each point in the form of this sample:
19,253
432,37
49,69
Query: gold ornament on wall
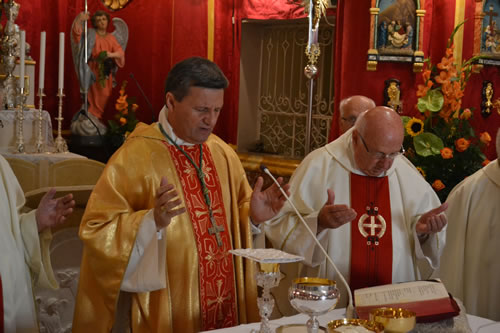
115,5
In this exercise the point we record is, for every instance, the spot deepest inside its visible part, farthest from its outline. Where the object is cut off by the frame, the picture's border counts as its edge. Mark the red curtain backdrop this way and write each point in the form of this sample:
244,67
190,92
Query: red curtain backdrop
352,42
164,32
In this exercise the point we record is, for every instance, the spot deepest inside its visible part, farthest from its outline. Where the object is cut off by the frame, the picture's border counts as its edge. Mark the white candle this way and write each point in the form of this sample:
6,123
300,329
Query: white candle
61,60
41,76
22,53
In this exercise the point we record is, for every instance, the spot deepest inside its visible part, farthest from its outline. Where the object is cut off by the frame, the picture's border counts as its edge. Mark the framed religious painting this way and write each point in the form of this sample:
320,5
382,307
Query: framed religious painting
487,32
396,33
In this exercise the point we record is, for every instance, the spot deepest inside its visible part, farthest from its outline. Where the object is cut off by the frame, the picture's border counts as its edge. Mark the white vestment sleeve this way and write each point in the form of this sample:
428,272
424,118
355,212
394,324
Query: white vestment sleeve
431,249
146,270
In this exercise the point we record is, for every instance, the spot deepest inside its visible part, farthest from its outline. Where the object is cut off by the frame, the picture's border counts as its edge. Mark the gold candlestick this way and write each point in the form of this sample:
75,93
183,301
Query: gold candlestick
39,146
20,121
61,146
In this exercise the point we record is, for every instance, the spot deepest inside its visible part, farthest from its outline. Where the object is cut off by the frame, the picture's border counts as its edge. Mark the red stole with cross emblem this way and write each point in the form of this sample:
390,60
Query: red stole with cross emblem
371,233
216,269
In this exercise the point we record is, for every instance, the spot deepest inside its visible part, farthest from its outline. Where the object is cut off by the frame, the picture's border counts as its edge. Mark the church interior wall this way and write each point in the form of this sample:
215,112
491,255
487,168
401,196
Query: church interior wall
163,32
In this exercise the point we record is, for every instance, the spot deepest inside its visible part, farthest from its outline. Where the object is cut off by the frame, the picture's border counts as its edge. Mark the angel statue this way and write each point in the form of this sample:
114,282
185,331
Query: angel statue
96,73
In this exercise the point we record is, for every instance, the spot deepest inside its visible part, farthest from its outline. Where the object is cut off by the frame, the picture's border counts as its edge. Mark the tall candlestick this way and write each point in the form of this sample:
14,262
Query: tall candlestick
21,60
61,61
41,76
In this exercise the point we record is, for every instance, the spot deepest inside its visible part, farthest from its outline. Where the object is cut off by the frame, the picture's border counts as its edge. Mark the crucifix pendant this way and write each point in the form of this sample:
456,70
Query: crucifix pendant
215,230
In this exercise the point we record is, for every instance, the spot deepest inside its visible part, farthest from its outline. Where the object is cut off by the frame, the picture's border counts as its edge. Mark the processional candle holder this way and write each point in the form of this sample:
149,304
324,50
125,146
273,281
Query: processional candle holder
39,145
268,277
61,145
20,120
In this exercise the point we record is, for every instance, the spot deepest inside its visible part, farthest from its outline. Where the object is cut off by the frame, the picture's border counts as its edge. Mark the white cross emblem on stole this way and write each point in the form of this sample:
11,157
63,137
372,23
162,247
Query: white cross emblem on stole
373,215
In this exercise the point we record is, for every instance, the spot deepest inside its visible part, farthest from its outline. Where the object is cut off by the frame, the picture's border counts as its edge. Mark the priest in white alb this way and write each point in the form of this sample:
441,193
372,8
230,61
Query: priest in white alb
371,209
24,251
470,268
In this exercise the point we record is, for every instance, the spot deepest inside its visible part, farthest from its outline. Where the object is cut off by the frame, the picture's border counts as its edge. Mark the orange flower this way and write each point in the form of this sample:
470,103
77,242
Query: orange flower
446,153
442,77
485,162
485,138
466,114
449,51
426,75
438,185
446,63
423,89
462,144
135,107
123,120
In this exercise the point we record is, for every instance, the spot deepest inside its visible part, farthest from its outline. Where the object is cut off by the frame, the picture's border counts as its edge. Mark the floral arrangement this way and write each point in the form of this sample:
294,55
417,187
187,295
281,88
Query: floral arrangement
105,67
440,141
125,117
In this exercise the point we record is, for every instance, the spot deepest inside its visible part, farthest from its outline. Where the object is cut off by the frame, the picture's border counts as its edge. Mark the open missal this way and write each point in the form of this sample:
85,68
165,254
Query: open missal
428,299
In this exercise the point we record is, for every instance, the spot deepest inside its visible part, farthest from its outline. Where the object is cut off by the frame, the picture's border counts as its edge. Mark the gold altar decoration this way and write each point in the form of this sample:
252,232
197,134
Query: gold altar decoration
115,5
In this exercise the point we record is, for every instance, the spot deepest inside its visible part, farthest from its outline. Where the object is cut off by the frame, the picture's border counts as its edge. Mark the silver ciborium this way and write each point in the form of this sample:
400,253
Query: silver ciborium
314,297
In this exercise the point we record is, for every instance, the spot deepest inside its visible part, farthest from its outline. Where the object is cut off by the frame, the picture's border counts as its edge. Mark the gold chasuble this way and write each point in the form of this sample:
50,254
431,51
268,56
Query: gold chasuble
371,236
206,287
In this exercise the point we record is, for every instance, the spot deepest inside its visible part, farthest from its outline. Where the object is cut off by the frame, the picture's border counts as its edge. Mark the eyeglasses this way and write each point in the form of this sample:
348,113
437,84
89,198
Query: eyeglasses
379,155
349,120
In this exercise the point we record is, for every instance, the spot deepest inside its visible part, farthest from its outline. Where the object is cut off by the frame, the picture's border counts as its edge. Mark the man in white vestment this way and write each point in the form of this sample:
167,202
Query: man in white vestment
362,178
470,268
350,108
24,249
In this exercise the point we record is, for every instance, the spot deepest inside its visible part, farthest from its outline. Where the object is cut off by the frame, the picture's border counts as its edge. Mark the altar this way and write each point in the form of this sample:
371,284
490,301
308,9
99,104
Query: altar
8,128
477,324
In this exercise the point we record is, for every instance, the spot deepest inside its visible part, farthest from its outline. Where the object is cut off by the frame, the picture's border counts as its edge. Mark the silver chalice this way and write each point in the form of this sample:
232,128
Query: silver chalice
314,297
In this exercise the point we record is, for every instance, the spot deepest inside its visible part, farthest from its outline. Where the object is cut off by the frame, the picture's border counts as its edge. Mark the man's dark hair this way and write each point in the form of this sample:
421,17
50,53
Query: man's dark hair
194,72
96,14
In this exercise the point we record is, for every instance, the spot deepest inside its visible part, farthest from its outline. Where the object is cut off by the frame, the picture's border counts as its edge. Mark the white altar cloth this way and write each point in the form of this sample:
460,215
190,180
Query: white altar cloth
39,157
8,128
477,324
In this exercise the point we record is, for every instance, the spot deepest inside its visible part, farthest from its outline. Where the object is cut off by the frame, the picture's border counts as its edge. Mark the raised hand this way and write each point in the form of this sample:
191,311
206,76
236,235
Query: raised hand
334,216
264,205
165,202
432,221
51,212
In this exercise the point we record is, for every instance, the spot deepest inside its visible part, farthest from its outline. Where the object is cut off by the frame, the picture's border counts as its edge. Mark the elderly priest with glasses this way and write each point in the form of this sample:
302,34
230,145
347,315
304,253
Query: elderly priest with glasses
371,209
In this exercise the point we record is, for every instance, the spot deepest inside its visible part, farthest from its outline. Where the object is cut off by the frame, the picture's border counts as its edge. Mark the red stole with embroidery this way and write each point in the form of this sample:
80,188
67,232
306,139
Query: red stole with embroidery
216,269
371,233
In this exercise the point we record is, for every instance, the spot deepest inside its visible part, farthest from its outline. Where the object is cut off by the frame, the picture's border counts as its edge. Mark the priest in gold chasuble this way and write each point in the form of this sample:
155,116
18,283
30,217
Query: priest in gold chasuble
371,209
171,203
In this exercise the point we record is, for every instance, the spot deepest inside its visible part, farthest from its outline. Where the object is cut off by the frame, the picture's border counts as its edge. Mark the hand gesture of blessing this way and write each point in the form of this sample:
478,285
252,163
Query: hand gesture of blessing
166,201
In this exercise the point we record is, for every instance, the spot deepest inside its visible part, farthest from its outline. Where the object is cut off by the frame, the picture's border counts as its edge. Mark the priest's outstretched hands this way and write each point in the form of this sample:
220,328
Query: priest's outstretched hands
431,222
166,201
51,212
264,205
332,215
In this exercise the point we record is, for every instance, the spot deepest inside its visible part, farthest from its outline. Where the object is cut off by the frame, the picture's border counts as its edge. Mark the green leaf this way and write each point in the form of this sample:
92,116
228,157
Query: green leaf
427,144
405,119
432,101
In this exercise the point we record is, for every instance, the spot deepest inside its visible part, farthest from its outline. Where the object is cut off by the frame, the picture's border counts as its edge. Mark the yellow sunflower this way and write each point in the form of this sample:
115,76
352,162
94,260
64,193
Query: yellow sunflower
415,126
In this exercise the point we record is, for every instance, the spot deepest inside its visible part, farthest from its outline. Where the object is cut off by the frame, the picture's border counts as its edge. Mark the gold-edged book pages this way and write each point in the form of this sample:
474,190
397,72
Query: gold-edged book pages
428,299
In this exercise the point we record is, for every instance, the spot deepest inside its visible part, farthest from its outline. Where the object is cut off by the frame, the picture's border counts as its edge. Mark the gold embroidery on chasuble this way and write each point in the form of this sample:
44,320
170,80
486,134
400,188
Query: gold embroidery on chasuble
371,234
216,270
